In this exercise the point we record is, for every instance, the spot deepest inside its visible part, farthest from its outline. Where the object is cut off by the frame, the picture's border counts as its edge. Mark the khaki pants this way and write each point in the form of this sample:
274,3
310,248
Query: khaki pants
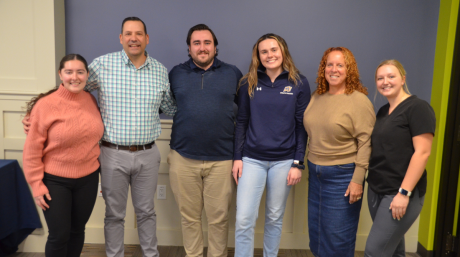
197,184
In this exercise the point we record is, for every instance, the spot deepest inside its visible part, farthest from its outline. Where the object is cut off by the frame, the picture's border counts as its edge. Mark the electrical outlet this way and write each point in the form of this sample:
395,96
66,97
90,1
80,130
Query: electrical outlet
99,190
161,192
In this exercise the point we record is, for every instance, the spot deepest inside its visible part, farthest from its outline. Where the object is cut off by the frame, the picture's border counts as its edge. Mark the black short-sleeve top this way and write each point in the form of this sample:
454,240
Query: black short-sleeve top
392,146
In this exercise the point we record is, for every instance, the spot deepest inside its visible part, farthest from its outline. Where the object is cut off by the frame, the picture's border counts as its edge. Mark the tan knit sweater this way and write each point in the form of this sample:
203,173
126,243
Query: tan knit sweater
339,128
63,138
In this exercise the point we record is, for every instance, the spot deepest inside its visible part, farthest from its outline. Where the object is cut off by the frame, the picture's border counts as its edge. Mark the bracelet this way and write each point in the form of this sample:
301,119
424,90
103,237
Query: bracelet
298,166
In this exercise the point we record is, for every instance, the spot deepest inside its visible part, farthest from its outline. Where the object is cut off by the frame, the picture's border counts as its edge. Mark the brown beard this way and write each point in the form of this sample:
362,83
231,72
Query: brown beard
203,64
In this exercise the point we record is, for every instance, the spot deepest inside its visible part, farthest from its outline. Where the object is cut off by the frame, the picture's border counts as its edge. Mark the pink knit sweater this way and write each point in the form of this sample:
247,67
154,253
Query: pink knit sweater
63,138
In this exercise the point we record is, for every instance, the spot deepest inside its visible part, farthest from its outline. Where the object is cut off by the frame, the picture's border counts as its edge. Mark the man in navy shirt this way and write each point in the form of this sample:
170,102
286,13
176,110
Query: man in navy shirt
202,142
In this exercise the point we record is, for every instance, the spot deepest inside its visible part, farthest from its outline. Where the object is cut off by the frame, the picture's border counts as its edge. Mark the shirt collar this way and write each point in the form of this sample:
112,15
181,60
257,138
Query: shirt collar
127,61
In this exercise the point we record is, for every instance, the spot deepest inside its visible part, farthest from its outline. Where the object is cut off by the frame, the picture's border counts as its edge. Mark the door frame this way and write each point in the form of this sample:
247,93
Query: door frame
450,163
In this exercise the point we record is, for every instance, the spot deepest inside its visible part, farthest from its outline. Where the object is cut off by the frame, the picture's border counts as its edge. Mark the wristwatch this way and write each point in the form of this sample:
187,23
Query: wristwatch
404,192
298,164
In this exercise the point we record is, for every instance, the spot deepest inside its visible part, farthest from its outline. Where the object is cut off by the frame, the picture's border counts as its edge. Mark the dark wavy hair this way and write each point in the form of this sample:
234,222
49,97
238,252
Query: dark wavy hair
69,57
352,81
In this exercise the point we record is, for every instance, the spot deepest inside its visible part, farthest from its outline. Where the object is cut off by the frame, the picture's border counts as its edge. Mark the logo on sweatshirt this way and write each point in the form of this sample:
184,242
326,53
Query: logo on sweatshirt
287,91
259,88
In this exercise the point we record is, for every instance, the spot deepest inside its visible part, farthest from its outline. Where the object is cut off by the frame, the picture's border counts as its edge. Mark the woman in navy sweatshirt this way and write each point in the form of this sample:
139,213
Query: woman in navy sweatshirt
270,141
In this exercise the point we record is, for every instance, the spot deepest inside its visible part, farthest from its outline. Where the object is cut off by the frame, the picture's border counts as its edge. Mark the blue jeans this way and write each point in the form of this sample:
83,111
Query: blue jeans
332,220
257,174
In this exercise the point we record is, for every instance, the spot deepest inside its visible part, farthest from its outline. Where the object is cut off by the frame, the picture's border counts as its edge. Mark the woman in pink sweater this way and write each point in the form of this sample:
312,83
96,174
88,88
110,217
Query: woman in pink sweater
60,157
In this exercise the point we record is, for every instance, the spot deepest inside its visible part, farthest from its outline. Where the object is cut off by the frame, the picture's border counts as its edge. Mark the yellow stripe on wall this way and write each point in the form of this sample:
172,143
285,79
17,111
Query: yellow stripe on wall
445,41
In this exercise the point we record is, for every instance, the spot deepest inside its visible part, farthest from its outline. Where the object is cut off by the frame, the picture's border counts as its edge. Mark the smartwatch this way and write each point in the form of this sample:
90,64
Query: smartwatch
404,192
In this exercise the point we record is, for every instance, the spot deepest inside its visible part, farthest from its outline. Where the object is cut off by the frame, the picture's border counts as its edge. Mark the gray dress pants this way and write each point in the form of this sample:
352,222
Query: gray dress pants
386,237
119,170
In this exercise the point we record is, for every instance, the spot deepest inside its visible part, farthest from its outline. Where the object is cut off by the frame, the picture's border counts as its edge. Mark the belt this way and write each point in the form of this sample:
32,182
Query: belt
131,148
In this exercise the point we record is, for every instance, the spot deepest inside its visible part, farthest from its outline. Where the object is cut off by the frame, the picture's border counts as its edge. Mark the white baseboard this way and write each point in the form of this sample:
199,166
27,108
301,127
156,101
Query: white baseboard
174,238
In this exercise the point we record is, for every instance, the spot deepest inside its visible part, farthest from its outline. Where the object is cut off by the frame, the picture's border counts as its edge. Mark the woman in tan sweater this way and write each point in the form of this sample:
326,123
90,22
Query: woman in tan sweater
339,121
60,157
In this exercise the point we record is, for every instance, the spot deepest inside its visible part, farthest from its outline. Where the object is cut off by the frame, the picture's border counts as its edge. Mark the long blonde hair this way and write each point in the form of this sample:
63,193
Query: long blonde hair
288,63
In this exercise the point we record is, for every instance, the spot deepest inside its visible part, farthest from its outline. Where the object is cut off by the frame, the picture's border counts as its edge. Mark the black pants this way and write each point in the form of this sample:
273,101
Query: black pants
72,201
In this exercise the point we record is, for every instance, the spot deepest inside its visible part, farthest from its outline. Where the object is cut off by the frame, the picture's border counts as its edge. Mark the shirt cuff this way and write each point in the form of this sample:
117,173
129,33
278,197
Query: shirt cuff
358,175
238,156
299,157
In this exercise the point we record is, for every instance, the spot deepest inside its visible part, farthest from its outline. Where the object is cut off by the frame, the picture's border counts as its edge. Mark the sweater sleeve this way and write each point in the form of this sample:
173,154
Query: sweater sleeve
242,121
363,124
303,99
34,168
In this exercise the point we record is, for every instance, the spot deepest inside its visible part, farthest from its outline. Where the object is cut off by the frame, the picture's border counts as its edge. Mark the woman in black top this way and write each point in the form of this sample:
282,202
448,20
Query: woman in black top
401,145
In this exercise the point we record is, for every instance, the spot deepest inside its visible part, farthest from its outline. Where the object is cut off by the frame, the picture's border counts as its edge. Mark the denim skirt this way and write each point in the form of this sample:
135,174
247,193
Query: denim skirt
332,220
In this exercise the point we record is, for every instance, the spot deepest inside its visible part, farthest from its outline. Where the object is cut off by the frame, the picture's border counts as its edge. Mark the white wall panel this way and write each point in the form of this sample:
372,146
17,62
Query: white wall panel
28,45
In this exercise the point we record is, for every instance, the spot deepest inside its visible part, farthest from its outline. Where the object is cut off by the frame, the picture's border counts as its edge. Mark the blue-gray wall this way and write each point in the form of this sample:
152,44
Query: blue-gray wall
372,30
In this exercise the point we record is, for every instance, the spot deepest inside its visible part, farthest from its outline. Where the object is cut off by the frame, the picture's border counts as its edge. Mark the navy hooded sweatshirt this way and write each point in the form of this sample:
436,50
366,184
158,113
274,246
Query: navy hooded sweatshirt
204,123
269,125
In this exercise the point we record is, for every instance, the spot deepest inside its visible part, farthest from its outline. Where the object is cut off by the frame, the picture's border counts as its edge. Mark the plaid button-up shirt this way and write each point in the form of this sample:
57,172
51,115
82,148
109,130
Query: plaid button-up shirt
130,97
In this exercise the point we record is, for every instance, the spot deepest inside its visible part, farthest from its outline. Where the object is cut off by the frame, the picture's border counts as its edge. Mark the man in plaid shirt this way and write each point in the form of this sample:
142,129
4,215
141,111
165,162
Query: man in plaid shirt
133,87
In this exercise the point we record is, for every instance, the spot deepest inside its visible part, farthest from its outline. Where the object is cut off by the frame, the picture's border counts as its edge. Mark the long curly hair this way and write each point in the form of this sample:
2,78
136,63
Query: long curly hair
352,81
288,63
69,57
